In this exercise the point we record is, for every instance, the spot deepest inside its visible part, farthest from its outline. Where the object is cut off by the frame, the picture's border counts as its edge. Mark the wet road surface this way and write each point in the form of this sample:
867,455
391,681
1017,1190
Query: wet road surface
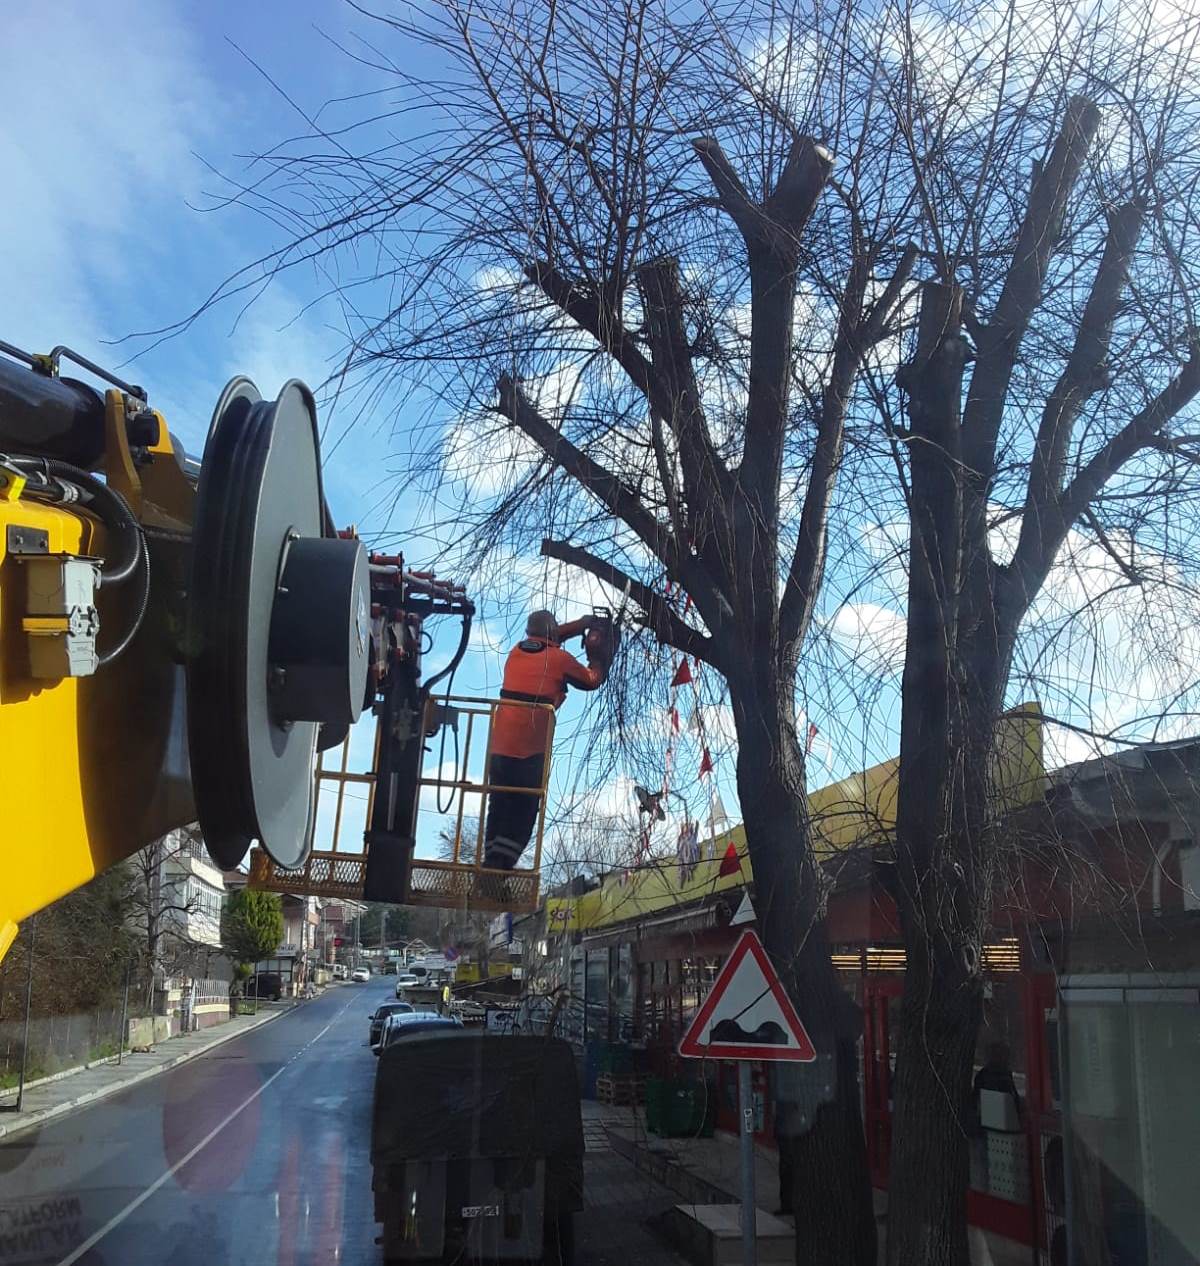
256,1153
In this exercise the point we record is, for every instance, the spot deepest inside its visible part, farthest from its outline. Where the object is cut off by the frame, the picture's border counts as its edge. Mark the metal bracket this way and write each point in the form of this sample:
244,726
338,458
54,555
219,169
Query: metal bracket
20,539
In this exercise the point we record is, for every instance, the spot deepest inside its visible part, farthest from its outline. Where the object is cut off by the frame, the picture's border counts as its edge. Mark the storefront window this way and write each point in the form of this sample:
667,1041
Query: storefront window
596,995
1128,1159
621,992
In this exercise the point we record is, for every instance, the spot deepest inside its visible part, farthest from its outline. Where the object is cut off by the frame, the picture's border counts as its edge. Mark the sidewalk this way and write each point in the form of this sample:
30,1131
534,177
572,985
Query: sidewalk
52,1097
699,1170
622,1207
707,1171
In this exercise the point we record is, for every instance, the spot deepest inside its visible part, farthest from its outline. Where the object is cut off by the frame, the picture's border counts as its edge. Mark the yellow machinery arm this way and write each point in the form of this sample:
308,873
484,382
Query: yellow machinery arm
93,766
178,642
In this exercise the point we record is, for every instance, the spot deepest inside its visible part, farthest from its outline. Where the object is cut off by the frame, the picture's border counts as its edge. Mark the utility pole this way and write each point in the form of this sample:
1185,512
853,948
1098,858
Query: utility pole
16,1107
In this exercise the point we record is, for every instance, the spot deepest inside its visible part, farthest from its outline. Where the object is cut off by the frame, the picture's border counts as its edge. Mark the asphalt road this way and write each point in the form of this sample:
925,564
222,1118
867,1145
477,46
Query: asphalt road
256,1153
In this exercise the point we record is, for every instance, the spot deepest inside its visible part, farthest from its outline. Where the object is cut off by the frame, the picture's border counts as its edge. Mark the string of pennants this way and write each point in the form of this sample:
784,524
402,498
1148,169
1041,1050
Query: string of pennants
685,675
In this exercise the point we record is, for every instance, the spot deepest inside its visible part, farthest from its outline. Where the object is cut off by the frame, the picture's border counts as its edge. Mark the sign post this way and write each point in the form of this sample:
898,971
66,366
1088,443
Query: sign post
747,1016
746,1139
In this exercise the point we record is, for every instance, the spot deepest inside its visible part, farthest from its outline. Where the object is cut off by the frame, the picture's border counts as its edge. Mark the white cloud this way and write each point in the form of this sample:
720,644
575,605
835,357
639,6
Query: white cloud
486,455
871,635
1064,746
487,639
498,280
94,161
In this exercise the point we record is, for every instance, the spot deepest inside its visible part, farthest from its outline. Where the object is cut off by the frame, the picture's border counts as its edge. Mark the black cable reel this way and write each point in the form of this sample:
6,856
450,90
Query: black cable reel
279,627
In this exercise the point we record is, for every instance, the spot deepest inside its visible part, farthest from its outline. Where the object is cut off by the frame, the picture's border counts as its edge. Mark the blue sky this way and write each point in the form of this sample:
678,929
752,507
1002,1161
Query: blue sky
113,115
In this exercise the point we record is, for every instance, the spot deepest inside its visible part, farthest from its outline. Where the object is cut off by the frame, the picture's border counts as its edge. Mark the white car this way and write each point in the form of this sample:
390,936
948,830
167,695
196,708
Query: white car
360,975
404,982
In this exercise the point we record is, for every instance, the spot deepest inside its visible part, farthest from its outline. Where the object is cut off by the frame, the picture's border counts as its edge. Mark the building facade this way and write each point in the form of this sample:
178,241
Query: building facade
1091,978
193,891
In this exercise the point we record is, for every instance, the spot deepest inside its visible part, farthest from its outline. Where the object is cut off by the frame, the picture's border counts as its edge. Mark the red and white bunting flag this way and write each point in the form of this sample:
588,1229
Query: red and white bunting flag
731,863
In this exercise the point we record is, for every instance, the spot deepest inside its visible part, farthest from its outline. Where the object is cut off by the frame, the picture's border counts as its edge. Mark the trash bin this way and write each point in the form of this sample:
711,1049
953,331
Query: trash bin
679,1109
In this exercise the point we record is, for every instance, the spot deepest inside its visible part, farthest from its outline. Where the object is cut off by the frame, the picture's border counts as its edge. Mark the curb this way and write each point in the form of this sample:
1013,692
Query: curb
40,1117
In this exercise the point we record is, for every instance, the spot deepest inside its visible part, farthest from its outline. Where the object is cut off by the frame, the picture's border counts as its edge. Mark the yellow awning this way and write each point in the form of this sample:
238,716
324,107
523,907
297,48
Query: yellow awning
857,810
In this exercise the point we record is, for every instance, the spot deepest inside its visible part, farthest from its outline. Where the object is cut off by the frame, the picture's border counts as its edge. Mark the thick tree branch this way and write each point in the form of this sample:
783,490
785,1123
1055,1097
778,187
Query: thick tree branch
582,305
1086,369
778,221
706,478
1124,565
771,230
1184,446
666,476
885,305
668,381
1022,292
1036,551
659,617
616,495
855,335
619,499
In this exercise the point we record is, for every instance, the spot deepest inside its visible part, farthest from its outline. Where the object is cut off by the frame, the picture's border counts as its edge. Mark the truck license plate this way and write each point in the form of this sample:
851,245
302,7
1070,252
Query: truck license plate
481,1211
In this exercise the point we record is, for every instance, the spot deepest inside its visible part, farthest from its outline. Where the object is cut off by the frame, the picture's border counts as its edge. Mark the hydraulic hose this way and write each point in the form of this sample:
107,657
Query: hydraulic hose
60,482
125,542
122,645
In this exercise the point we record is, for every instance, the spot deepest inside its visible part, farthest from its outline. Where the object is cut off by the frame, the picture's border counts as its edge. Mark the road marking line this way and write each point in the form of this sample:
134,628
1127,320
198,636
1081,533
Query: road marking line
117,1218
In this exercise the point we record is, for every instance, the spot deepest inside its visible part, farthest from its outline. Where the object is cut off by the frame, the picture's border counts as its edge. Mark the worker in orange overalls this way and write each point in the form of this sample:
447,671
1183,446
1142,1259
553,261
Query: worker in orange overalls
538,670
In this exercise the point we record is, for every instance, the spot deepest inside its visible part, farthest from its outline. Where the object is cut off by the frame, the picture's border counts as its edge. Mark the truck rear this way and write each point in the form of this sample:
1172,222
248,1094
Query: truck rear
477,1148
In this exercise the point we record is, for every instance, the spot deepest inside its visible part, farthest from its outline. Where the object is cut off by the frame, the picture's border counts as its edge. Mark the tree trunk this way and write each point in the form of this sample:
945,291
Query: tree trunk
835,1224
941,807
939,1021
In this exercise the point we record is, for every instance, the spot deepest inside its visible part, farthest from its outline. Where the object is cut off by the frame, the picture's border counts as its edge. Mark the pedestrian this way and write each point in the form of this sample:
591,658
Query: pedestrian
538,671
996,1074
785,1125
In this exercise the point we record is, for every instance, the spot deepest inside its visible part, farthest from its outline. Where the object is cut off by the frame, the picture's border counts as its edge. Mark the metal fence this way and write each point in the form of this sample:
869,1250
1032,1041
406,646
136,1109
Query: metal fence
58,1042
194,1003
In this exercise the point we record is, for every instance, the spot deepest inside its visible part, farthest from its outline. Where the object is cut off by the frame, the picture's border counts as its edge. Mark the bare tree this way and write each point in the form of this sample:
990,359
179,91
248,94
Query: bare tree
157,907
662,275
597,248
1054,347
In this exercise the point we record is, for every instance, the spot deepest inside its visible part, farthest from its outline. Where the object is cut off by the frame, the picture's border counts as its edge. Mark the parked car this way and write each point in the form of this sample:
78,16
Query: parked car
406,1023
266,984
360,975
380,1014
341,971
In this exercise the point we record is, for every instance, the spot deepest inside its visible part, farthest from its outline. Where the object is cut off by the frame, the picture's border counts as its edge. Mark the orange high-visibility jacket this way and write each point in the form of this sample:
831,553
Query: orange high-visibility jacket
537,671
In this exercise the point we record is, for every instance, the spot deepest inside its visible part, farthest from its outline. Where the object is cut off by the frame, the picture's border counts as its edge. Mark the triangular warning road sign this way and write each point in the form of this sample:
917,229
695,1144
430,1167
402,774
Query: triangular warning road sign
747,1014
745,911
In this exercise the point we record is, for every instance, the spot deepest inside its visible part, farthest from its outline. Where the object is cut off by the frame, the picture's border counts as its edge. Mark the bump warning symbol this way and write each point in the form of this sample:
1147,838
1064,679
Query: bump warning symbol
747,1014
